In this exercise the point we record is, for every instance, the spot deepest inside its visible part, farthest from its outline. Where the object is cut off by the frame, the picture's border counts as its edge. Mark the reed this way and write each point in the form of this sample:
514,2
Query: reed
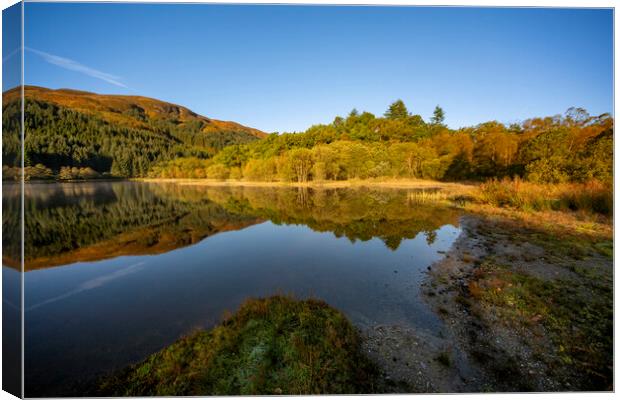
591,197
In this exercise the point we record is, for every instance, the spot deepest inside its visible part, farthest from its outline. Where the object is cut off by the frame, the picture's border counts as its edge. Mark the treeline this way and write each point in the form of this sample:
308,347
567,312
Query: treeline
564,148
58,137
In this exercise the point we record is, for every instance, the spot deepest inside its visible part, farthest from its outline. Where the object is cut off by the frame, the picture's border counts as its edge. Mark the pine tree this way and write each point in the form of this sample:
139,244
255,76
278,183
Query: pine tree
438,116
397,110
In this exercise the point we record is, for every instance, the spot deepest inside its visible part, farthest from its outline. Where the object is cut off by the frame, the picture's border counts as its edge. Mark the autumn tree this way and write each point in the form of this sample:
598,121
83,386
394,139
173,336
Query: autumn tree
301,163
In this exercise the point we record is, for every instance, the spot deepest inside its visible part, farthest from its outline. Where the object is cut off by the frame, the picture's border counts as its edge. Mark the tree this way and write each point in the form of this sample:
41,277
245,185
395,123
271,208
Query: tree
121,166
438,116
218,171
397,110
327,162
301,163
260,170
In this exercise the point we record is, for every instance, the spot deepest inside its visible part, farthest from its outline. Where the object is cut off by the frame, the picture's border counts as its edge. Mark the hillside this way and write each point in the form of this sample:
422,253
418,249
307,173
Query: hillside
124,135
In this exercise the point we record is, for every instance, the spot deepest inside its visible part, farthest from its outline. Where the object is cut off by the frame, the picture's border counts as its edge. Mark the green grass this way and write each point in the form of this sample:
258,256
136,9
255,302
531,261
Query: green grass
606,248
275,345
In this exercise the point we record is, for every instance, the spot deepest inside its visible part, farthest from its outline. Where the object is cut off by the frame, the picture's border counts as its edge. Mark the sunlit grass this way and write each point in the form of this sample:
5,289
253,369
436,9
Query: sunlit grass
592,196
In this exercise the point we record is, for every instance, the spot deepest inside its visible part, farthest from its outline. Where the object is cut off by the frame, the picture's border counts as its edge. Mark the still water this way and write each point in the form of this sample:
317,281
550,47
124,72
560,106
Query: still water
116,271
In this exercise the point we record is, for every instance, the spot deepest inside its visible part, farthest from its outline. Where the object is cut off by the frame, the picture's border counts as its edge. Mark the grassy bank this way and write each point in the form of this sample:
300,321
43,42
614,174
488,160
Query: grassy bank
576,216
589,197
269,346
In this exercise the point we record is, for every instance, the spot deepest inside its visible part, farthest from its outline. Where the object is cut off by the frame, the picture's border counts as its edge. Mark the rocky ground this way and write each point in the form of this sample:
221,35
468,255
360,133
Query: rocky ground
523,310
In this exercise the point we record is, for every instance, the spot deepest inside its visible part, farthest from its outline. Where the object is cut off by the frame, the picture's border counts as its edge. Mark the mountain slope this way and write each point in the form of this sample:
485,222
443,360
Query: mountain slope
130,111
125,135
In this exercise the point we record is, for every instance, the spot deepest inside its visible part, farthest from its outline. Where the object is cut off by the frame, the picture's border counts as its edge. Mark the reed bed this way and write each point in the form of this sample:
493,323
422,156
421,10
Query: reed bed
591,197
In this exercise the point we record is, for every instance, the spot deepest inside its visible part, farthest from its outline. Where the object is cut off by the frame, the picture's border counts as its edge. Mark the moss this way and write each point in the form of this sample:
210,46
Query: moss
270,346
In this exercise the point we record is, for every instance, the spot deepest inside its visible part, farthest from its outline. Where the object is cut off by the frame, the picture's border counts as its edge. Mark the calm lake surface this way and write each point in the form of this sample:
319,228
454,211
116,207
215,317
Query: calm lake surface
116,271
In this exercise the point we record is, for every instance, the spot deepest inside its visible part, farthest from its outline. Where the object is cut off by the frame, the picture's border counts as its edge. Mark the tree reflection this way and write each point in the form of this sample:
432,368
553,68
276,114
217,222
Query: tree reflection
67,223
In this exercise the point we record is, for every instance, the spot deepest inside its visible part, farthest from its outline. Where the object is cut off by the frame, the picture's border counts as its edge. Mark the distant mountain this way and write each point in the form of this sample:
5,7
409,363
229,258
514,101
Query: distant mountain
125,135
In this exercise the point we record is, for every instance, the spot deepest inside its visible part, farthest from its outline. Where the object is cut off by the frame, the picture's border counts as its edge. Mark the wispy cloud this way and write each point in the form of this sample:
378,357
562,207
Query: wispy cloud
72,65
11,54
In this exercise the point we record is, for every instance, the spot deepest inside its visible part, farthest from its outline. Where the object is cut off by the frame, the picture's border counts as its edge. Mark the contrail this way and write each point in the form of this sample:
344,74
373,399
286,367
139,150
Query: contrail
71,65
11,54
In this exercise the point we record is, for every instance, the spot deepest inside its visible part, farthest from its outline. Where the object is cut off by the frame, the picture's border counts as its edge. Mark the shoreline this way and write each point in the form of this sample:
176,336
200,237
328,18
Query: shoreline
392,184
487,292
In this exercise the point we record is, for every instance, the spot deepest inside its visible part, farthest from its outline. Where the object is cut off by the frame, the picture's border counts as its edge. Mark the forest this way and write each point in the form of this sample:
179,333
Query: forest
159,140
574,147
66,137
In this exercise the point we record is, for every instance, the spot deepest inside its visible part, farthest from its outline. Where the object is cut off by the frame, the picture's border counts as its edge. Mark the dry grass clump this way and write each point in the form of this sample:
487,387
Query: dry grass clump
591,197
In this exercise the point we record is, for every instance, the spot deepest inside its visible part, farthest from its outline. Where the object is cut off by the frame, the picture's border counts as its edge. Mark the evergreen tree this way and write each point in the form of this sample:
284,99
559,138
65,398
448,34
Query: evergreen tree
397,110
438,116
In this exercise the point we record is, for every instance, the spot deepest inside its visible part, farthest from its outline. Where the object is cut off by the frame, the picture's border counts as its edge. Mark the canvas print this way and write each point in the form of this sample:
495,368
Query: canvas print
228,199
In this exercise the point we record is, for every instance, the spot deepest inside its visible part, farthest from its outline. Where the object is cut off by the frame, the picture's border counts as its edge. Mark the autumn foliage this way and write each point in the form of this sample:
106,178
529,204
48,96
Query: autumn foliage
574,147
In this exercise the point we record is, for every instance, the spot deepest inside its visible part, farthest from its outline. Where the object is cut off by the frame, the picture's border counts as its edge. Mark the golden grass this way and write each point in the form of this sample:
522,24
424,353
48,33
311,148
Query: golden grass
589,197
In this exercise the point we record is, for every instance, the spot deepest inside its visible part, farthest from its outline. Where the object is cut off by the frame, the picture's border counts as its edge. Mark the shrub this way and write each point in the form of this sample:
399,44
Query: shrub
87,173
10,173
38,172
66,173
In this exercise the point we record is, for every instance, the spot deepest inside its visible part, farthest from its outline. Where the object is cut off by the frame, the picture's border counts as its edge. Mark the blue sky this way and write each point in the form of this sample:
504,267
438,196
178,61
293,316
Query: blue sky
11,40
284,68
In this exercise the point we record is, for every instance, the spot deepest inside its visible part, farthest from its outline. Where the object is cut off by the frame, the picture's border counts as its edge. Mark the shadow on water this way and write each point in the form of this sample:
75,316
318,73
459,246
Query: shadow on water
118,270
